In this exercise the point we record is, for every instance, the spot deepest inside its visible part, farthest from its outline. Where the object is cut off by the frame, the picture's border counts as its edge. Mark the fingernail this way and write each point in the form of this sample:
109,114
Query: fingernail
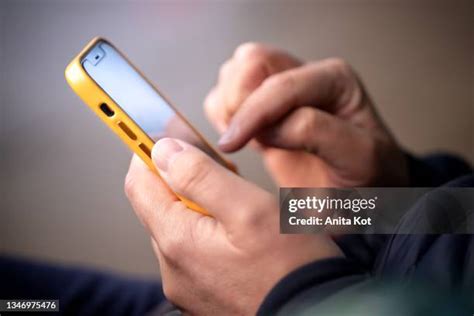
228,135
163,150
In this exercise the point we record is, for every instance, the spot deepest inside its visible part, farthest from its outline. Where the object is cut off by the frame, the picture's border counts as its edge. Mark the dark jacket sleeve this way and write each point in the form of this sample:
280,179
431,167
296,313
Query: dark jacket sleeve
318,280
315,282
429,171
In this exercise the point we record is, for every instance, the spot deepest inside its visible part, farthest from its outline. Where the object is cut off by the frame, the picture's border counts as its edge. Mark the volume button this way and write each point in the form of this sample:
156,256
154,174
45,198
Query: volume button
145,149
127,130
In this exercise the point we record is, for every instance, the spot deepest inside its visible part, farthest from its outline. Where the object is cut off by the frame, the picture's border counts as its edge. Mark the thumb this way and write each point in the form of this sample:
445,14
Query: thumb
318,132
194,175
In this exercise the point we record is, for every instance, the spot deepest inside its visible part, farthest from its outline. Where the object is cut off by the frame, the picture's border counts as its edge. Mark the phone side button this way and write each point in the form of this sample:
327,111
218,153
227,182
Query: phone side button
145,149
127,130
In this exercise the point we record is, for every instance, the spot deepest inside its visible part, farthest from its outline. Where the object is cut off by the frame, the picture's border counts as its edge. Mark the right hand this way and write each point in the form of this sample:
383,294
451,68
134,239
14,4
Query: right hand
314,123
226,263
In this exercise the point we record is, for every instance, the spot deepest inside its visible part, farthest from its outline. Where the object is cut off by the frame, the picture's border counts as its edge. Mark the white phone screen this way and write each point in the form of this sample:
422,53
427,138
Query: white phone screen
140,100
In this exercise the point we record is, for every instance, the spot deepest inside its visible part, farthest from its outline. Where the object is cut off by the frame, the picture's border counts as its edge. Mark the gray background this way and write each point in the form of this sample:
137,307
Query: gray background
62,171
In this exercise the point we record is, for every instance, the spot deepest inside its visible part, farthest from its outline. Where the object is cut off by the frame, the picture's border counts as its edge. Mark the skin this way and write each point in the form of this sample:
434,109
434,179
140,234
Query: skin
313,124
223,264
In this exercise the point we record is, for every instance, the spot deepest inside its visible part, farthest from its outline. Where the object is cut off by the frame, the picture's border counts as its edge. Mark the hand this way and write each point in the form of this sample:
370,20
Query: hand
314,123
219,265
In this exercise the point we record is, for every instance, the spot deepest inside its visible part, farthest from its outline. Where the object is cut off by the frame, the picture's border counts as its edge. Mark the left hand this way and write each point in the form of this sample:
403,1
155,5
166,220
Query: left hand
314,123
224,264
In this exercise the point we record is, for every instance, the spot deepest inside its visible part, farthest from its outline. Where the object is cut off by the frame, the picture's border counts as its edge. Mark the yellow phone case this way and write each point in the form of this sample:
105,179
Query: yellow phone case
120,123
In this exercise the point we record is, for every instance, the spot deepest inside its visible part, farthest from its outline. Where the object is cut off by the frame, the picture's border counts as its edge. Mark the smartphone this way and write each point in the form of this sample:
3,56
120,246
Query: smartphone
130,105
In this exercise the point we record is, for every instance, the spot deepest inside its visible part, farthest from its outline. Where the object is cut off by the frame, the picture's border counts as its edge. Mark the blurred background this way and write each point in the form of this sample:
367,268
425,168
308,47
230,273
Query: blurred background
62,170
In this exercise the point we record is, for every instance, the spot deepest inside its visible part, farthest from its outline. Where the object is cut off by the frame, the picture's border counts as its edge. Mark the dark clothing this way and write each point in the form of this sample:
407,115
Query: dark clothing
444,261
80,291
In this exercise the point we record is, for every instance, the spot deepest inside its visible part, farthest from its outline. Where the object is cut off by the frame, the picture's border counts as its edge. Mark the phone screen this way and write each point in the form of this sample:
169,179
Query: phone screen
140,100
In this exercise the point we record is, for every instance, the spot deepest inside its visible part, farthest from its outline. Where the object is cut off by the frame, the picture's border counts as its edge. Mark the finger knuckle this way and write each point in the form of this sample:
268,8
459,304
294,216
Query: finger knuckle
224,70
248,73
337,63
251,75
250,50
342,68
129,185
198,170
172,247
246,219
284,82
305,122
210,103
255,215
255,69
280,81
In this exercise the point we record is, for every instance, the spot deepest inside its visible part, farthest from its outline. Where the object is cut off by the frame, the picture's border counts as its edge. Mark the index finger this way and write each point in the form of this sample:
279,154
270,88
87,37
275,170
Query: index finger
316,85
